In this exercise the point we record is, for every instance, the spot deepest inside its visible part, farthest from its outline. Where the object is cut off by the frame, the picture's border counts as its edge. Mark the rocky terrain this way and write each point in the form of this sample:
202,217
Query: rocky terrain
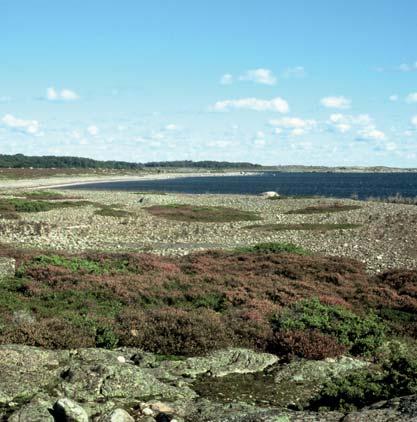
152,307
125,385
384,239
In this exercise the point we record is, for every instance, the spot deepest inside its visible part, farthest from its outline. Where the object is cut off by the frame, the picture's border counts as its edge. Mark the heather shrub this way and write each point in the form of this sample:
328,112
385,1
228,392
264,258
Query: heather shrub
361,334
206,300
173,331
54,333
308,344
249,329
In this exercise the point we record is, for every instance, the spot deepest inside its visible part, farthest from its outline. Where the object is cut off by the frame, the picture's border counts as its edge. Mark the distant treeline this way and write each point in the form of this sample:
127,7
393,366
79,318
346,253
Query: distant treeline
202,164
23,161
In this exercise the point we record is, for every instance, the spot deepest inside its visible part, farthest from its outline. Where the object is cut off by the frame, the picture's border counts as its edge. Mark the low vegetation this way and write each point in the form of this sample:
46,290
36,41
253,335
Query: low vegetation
45,195
111,211
12,206
303,226
324,209
264,298
273,247
394,374
193,213
150,192
360,335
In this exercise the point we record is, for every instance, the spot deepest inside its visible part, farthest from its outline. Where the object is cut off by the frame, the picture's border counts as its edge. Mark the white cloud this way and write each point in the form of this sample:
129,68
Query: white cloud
414,120
30,127
260,142
393,98
359,119
276,104
260,76
64,95
293,123
226,79
407,67
171,126
362,123
370,133
294,72
336,102
219,144
298,132
411,98
93,130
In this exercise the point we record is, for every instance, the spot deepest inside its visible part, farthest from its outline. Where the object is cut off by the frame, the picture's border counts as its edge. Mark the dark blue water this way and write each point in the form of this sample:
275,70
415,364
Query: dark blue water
340,185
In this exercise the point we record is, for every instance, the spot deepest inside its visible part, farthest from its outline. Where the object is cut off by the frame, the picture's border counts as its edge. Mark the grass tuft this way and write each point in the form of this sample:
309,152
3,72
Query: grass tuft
302,226
324,209
273,247
192,213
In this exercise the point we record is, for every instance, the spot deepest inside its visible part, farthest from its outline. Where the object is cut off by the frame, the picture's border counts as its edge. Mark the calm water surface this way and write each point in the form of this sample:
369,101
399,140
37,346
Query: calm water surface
340,185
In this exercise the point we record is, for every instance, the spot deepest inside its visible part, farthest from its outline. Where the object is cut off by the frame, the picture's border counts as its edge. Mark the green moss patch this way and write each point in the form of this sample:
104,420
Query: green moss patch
108,211
302,226
273,247
16,205
324,209
193,213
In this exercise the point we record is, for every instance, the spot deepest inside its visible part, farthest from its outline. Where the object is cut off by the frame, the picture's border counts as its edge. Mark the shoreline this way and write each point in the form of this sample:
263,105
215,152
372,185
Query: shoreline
62,182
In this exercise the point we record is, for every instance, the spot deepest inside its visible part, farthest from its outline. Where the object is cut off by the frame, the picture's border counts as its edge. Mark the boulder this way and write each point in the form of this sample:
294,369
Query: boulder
69,411
117,415
270,194
221,363
37,410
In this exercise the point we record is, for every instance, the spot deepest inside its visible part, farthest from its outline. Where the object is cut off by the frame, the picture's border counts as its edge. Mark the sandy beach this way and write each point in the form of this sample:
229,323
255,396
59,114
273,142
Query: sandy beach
55,182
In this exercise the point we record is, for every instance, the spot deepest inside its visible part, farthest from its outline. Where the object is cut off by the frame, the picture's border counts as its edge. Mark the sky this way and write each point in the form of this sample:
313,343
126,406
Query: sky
269,81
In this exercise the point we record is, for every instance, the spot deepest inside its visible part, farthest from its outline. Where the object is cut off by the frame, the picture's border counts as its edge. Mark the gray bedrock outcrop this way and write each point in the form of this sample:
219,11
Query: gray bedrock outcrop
126,385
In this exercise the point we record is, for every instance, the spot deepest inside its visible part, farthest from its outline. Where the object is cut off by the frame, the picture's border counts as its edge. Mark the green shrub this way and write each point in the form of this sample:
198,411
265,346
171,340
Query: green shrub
361,334
396,375
76,264
106,338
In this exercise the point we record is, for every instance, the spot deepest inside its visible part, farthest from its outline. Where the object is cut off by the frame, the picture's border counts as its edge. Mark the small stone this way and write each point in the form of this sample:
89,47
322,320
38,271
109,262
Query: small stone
69,411
162,407
117,415
7,267
23,317
147,411
121,359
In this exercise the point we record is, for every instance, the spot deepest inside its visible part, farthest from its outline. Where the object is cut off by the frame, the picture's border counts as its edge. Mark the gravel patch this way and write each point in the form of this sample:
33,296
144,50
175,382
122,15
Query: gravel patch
386,239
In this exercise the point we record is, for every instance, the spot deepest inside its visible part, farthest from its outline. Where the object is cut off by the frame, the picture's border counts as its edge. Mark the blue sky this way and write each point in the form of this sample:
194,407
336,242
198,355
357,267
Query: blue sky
273,82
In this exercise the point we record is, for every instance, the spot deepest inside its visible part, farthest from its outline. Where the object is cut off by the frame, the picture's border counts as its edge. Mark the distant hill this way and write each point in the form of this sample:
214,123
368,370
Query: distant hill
24,161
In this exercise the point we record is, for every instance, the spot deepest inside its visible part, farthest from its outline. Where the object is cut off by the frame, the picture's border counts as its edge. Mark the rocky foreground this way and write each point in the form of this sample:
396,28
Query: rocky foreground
126,385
